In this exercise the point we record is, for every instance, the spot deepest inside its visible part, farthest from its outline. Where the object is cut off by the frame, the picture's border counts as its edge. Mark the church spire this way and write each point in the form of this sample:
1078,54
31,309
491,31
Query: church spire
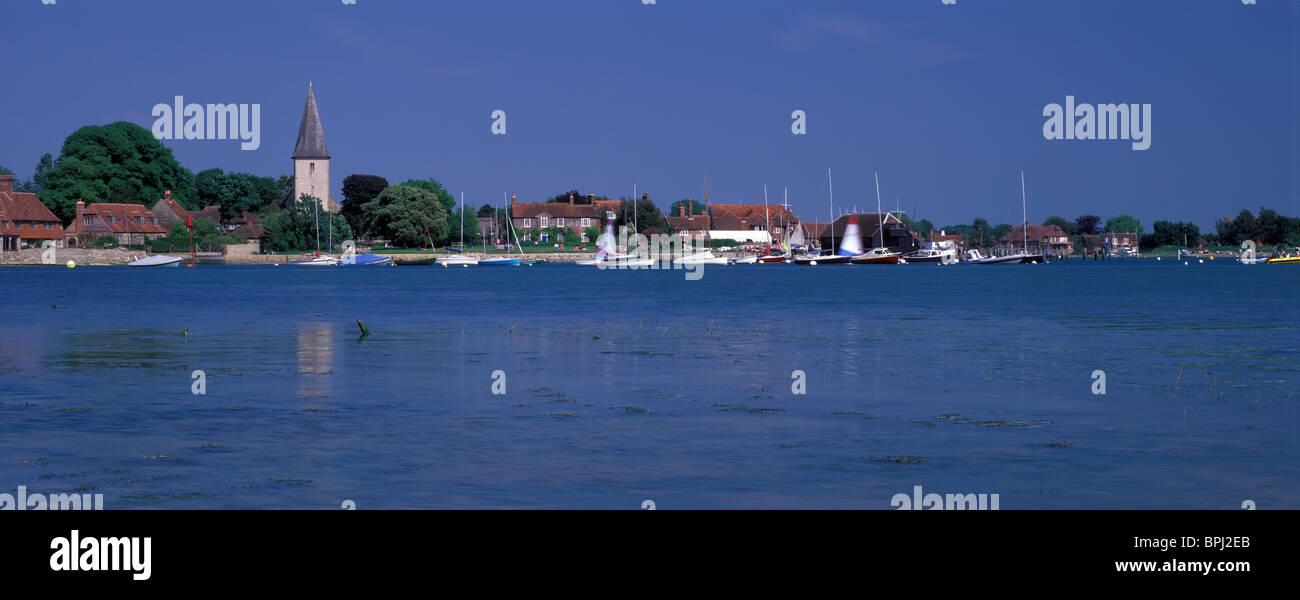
311,137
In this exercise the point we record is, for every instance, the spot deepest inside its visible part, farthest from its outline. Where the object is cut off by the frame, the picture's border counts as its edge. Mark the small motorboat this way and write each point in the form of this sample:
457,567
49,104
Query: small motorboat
160,260
774,258
975,258
1033,259
423,262
1287,260
825,259
744,260
943,253
317,261
701,258
877,256
457,260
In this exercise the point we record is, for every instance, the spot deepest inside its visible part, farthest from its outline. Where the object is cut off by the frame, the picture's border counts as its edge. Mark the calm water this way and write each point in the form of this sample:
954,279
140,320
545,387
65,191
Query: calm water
626,386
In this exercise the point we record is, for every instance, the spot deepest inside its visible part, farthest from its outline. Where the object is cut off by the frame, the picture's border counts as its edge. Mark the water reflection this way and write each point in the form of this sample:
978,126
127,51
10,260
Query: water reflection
315,351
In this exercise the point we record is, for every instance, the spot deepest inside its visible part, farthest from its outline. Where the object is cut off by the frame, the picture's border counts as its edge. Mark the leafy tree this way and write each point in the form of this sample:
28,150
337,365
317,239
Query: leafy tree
407,215
647,215
431,185
4,171
235,192
454,220
357,191
1066,226
1087,224
1123,224
1244,227
486,211
118,162
578,198
695,208
41,176
294,229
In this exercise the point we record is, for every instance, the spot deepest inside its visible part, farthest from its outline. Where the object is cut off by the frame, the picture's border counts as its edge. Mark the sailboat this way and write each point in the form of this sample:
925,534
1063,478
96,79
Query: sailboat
507,261
706,257
771,257
880,255
1024,213
460,259
318,260
845,254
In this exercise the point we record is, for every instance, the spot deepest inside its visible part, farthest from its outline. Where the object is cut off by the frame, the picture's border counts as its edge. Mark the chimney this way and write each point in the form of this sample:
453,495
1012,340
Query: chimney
571,197
6,184
681,208
591,199
81,207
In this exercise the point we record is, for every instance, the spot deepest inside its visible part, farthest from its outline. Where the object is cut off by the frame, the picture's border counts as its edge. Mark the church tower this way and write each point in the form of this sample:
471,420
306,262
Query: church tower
311,160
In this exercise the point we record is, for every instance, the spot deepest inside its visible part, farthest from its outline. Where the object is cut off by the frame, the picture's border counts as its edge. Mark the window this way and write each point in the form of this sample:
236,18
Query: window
528,223
90,220
609,214
584,236
586,223
559,221
541,222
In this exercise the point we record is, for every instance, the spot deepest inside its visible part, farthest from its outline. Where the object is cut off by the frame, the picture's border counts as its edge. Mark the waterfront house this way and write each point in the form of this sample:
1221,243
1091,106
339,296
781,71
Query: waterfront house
169,211
127,223
942,236
1041,239
576,215
24,221
247,226
687,224
1121,243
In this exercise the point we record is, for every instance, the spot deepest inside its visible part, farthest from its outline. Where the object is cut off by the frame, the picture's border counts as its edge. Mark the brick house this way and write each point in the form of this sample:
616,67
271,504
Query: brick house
531,217
169,212
127,223
1041,239
24,221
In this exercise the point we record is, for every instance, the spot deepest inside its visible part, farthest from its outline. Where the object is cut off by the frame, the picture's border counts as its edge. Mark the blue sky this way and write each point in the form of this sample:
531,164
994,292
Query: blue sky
945,102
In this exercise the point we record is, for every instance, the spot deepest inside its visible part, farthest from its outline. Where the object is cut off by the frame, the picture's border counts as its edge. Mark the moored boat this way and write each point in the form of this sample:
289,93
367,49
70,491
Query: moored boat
498,262
423,262
365,260
877,256
316,261
160,260
975,258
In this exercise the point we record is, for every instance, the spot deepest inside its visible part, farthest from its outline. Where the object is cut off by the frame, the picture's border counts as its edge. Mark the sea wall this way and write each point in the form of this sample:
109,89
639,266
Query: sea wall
60,256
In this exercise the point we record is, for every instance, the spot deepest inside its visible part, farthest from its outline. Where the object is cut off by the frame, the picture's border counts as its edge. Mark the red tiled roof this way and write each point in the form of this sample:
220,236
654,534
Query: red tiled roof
23,215
563,210
688,223
118,218
1035,233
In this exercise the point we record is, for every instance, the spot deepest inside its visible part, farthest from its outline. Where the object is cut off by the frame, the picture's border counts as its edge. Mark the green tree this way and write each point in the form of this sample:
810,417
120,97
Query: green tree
431,185
294,229
694,208
359,189
4,171
41,175
578,197
206,235
234,192
118,162
1123,224
409,216
1068,227
647,215
1087,224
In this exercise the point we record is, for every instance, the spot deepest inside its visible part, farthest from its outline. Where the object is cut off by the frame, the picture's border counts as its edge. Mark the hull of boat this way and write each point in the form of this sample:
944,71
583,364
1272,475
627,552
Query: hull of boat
458,261
875,260
1284,261
705,258
316,262
773,259
157,261
1033,259
997,260
499,262
824,260
747,260
425,262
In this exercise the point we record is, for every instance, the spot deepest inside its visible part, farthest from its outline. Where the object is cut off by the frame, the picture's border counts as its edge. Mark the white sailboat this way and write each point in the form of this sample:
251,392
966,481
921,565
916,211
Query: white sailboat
319,260
462,260
706,257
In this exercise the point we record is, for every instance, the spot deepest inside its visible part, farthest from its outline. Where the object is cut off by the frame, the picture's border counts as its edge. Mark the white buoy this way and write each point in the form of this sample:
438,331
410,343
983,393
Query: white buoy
72,264
812,264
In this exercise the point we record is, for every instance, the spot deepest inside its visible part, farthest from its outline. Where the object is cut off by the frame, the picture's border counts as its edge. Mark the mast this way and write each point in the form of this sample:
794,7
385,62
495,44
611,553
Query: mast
881,223
462,222
635,230
1024,213
831,185
769,219
708,212
316,208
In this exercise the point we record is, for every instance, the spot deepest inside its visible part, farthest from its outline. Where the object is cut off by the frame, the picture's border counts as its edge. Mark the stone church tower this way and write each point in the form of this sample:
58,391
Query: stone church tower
311,160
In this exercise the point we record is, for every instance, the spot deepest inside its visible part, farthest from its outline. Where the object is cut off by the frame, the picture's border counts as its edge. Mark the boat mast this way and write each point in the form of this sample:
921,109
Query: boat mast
462,222
1024,213
881,222
769,219
316,207
831,185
